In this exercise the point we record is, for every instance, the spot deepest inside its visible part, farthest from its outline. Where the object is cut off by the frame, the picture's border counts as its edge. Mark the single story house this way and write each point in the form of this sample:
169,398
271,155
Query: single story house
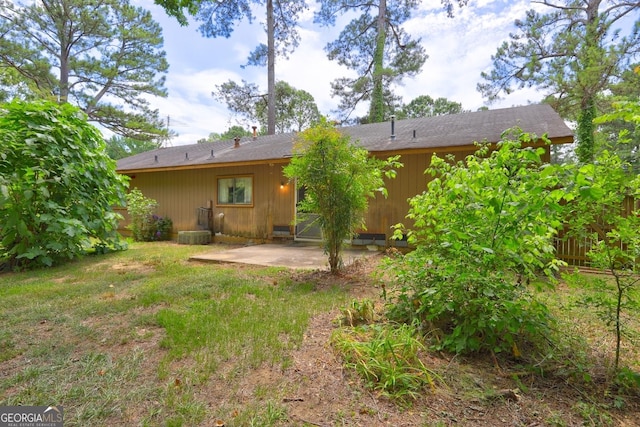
237,188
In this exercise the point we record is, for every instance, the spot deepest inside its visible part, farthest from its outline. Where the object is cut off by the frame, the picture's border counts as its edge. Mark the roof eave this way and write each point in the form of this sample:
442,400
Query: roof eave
465,148
202,166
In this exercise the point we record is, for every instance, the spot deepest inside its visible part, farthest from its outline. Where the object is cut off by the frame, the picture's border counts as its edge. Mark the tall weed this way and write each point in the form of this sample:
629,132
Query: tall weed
387,358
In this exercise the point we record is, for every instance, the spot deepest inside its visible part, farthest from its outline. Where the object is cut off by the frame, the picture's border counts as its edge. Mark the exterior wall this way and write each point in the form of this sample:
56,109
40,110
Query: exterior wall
180,193
410,181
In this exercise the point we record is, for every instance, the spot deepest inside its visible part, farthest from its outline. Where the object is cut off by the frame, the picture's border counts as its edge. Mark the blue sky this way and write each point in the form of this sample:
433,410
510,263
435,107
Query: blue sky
459,50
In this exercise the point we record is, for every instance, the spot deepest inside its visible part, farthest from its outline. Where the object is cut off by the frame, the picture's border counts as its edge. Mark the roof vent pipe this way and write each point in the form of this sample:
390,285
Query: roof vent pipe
155,159
414,134
255,134
393,126
212,156
186,156
236,142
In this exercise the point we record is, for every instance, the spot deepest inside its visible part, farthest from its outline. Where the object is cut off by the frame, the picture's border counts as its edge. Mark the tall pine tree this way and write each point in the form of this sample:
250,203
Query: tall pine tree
574,53
104,56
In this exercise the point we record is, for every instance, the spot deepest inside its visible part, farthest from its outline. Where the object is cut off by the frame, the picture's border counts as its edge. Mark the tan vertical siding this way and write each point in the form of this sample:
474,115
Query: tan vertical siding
385,212
180,193
409,182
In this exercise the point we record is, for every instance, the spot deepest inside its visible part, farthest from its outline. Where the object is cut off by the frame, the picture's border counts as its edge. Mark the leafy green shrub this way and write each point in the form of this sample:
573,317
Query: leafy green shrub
145,226
596,210
140,209
161,227
602,208
57,186
483,229
339,177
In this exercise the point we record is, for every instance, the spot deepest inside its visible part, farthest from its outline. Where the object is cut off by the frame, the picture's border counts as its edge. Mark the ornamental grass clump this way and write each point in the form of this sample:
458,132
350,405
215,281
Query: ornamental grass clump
387,358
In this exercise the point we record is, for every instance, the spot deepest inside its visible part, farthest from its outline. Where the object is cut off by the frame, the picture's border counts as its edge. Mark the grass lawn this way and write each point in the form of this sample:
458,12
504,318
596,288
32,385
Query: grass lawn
144,337
130,338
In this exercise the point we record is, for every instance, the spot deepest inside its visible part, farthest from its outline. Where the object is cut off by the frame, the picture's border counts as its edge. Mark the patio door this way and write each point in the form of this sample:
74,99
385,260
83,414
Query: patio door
307,230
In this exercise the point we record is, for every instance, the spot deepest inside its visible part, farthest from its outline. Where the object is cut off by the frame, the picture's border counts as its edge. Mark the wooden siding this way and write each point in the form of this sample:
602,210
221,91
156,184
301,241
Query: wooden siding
180,193
409,182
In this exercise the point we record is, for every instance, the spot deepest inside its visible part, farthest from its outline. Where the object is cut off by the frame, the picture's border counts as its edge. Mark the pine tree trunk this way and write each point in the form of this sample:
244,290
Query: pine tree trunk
271,73
376,110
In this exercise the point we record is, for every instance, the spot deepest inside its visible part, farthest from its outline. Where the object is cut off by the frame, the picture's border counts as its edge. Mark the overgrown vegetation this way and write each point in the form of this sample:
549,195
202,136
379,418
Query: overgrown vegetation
145,225
603,209
483,269
483,230
57,186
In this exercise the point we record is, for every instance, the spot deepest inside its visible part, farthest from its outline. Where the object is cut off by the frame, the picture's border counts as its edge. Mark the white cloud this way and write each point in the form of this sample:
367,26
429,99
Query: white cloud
459,49
190,109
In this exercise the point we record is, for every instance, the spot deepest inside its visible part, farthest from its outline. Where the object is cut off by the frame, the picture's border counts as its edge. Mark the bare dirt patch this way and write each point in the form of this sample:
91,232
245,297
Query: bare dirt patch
124,267
318,390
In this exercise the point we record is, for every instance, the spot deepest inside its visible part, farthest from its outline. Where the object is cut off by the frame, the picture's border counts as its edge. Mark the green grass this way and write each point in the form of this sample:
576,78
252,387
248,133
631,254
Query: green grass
136,337
577,304
143,337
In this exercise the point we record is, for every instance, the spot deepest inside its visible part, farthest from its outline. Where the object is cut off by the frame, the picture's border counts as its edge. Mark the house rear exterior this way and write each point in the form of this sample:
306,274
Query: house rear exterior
237,188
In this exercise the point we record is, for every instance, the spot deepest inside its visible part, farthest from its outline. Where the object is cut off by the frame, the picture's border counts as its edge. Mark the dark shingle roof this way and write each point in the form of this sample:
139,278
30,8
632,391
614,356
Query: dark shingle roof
431,133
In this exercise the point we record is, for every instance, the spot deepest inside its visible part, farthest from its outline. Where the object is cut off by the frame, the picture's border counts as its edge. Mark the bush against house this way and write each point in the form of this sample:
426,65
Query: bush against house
482,230
145,225
339,178
57,186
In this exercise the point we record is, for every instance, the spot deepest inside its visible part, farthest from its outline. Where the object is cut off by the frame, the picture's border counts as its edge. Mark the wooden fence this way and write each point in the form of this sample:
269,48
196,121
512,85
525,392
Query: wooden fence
574,250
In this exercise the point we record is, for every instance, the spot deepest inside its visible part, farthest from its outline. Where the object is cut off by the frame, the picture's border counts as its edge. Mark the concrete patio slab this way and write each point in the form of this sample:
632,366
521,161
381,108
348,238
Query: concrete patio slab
292,255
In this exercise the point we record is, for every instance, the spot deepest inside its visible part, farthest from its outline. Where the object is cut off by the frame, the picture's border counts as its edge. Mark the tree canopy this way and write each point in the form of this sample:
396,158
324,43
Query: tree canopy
426,106
619,129
574,52
231,133
296,109
376,46
119,147
219,18
105,56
